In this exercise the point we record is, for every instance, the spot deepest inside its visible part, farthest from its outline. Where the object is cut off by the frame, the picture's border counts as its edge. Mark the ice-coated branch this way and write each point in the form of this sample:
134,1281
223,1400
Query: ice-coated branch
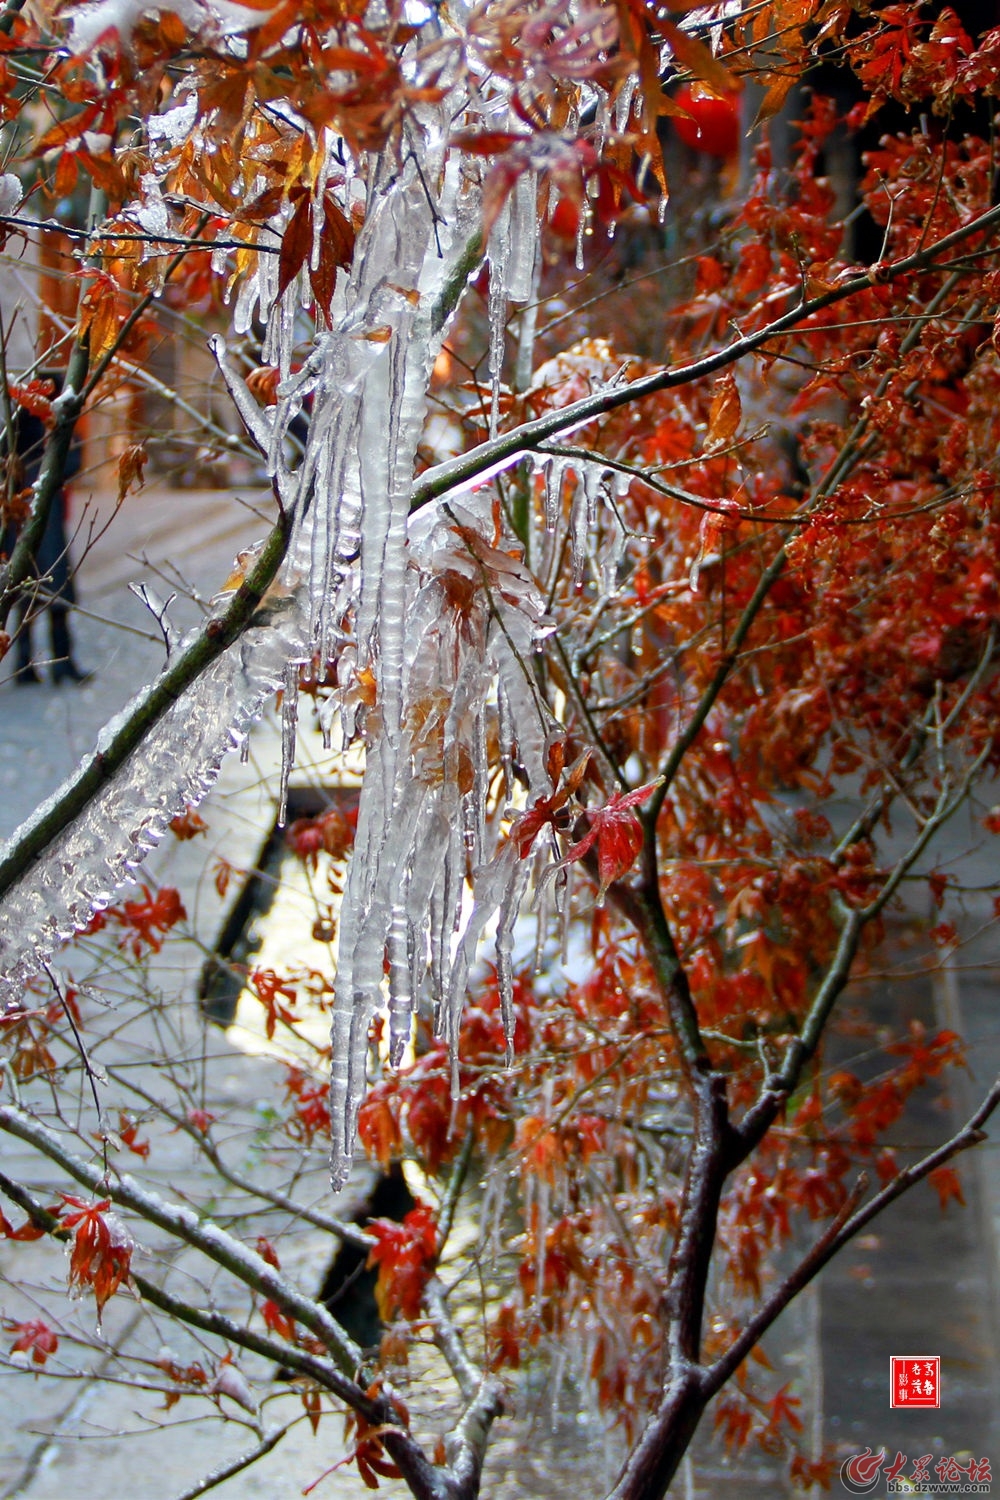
425,1481
114,807
183,1224
482,1393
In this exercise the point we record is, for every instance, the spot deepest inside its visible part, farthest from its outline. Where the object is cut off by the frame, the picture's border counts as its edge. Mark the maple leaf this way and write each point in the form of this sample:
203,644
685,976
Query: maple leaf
150,920
28,1230
130,467
296,242
726,412
782,1408
188,824
270,989
277,1321
102,1248
617,832
35,396
101,313
546,810
405,1255
947,1184
34,1337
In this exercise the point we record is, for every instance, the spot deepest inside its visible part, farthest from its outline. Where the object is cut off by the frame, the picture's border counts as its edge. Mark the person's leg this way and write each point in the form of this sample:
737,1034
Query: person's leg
25,673
64,668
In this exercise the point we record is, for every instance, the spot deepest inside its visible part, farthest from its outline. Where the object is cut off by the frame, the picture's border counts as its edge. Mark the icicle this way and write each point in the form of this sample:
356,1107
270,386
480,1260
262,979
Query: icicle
565,911
362,584
480,787
400,986
623,104
554,476
505,735
578,531
497,304
523,248
602,123
510,908
581,237
613,547
541,1205
289,719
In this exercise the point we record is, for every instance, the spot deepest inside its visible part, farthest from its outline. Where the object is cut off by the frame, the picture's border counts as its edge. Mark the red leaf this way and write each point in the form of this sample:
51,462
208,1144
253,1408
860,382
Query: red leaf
487,142
296,243
947,1184
782,1409
405,1254
617,833
336,251
277,1321
102,1248
34,1337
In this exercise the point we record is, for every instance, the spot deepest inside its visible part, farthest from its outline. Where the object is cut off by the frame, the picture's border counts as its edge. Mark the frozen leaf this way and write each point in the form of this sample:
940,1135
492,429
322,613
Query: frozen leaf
230,1381
102,1248
296,242
617,834
697,59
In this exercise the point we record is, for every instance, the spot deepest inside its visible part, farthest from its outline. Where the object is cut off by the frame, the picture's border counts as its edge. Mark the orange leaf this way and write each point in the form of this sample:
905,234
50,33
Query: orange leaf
696,58
99,314
774,100
130,467
726,412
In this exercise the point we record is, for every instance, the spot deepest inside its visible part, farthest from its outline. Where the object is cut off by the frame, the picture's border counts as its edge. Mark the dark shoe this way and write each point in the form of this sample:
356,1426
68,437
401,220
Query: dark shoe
27,677
68,671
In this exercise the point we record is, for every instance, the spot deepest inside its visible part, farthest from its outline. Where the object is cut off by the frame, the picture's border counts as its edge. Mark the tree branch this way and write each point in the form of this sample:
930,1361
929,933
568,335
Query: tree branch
844,1227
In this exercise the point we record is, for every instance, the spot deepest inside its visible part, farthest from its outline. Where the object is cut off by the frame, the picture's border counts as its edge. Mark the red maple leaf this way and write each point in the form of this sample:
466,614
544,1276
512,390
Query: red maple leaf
405,1255
947,1184
34,1337
102,1248
617,832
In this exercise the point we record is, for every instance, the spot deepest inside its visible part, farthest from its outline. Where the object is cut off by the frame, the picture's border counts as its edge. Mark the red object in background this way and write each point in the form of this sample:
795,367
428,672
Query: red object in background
564,219
714,126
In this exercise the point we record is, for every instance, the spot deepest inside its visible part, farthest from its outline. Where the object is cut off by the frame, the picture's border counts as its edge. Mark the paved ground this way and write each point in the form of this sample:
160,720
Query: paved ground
918,1280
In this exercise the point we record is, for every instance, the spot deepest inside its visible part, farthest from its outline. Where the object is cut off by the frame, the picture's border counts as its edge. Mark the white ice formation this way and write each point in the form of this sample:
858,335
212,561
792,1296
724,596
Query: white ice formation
429,609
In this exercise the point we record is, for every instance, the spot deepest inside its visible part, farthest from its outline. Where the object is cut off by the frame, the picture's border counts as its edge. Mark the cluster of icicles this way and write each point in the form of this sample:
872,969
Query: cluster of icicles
370,584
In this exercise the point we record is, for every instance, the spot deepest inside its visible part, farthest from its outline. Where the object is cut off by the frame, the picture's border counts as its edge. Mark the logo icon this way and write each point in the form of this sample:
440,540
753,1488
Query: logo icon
859,1473
915,1380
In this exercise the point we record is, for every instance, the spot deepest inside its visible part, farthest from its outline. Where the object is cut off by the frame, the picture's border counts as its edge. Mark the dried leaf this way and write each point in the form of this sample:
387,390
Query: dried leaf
130,467
725,414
